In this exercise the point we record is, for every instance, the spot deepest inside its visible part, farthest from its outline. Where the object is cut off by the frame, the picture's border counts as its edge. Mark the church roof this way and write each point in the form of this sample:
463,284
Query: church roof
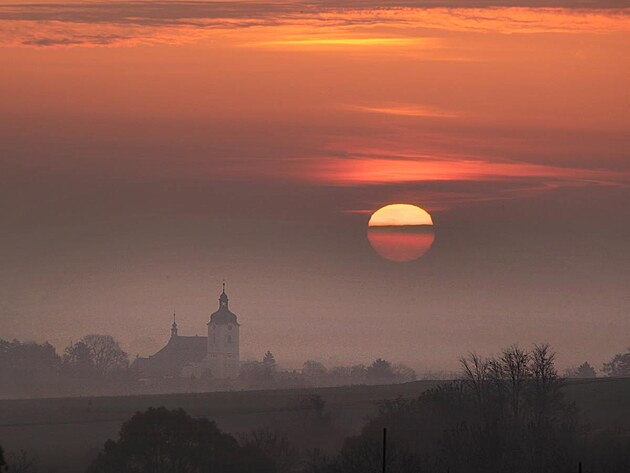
189,348
178,352
223,316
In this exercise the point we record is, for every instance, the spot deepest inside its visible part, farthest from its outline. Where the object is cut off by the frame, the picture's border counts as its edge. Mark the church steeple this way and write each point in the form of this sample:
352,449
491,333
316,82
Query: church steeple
223,298
174,327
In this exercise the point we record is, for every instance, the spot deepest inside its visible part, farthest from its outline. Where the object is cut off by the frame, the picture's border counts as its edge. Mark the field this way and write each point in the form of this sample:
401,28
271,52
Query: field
64,434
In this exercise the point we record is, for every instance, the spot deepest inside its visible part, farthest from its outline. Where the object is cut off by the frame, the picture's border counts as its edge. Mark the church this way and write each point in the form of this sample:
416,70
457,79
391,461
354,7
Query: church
216,355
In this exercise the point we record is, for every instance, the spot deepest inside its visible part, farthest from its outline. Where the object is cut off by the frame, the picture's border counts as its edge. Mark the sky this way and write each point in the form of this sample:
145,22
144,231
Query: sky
150,150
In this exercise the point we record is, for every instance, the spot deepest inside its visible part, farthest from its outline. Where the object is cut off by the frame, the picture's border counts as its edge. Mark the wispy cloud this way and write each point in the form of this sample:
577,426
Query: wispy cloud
305,25
325,42
403,110
376,167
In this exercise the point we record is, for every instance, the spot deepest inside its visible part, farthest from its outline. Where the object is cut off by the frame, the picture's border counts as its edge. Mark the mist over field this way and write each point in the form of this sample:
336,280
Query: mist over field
314,237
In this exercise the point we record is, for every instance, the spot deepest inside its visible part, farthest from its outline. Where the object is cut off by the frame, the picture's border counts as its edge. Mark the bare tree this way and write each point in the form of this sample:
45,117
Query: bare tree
546,384
275,446
20,462
514,366
476,373
106,353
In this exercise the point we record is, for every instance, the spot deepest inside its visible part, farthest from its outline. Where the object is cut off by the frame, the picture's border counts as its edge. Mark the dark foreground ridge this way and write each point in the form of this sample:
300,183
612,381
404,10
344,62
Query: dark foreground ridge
66,432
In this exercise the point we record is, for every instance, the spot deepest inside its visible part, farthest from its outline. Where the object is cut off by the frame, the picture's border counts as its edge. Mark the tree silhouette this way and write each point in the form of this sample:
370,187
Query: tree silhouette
78,360
506,414
106,353
403,373
255,374
269,361
544,388
380,371
170,441
3,465
276,446
20,462
585,370
619,365
313,370
27,368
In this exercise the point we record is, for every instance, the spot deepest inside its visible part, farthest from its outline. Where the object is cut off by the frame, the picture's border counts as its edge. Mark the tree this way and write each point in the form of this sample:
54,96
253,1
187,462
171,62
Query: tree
514,367
269,361
525,425
364,455
161,440
585,370
20,462
27,368
545,383
315,461
255,374
78,360
358,373
619,366
403,373
3,465
276,446
476,371
106,353
380,371
313,370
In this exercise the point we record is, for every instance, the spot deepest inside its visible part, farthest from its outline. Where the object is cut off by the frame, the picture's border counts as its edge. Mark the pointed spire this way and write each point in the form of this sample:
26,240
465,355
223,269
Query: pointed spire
223,298
174,326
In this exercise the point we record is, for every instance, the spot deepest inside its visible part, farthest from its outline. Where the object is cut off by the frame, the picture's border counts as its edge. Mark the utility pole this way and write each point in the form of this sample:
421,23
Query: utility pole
384,449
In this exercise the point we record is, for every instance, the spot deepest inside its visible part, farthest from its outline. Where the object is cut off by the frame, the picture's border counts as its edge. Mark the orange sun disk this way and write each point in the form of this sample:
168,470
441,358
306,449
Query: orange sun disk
401,232
400,215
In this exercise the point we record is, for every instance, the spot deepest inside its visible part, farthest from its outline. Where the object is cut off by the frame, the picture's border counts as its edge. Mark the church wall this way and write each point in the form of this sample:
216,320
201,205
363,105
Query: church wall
223,350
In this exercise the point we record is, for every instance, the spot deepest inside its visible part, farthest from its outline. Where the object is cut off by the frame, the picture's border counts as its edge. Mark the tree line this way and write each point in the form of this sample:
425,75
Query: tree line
504,413
265,374
33,369
97,365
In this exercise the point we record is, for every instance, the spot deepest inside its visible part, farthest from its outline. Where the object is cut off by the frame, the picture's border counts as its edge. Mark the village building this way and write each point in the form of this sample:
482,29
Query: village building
216,355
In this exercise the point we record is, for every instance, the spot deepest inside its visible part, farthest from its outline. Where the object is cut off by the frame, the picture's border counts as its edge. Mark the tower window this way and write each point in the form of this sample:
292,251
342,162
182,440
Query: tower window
229,338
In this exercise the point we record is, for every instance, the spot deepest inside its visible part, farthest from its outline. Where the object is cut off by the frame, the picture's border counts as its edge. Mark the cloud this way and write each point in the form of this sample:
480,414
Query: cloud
338,41
348,24
73,41
375,167
403,110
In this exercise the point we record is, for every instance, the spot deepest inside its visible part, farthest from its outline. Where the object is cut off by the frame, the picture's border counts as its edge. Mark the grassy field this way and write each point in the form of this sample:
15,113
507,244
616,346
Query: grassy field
64,434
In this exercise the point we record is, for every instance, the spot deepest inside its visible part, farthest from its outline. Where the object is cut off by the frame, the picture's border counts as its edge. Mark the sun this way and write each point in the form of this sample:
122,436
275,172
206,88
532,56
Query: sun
401,232
397,215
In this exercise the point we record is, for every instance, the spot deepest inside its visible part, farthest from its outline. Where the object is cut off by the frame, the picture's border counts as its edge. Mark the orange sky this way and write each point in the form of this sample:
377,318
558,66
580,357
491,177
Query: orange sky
140,139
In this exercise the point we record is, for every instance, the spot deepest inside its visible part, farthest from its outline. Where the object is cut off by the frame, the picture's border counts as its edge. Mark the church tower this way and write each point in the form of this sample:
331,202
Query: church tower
223,341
